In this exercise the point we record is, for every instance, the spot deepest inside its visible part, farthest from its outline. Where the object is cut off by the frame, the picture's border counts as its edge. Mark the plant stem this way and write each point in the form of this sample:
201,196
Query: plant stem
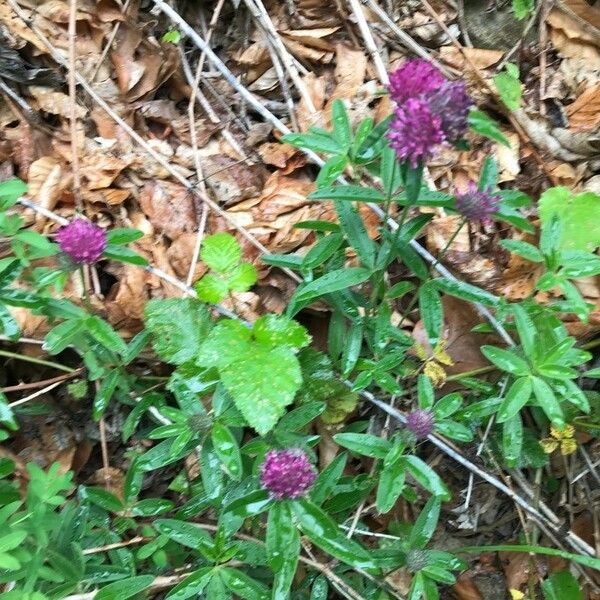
37,361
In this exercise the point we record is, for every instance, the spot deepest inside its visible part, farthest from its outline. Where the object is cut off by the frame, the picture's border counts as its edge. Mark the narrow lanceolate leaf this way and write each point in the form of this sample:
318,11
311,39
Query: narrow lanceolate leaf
356,233
391,484
192,586
426,477
364,443
516,397
126,588
283,548
547,400
349,193
333,281
324,533
227,450
465,291
432,313
425,525
506,360
525,328
512,439
243,586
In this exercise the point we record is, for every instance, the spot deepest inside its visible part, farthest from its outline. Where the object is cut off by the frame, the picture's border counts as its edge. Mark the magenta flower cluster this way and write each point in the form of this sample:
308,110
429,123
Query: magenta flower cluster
83,242
420,422
430,110
287,474
477,205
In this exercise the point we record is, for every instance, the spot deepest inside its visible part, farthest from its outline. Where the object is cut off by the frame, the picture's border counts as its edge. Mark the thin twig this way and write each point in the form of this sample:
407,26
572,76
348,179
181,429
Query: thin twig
38,384
258,11
203,217
73,104
36,394
369,39
404,38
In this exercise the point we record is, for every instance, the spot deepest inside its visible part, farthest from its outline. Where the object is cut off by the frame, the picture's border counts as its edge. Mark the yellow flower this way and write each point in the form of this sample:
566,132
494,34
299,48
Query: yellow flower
560,438
440,354
517,595
433,364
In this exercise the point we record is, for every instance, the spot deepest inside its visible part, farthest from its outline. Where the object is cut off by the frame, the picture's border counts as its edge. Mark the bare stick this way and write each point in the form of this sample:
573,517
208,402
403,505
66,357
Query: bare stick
194,140
368,38
404,38
73,104
259,12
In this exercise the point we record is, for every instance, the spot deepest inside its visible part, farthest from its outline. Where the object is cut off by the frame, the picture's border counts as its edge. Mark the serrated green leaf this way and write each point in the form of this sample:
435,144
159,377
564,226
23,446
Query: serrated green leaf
578,215
221,252
179,327
522,9
278,330
509,88
226,341
211,288
262,383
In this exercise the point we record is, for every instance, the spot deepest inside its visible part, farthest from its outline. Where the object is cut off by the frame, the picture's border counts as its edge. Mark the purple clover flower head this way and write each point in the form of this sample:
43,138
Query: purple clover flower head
413,79
287,474
83,241
415,131
420,422
475,205
451,103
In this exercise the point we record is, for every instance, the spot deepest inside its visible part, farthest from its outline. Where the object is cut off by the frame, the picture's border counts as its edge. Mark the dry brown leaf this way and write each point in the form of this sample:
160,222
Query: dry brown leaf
109,196
350,71
101,169
58,11
45,182
110,478
571,40
169,207
180,255
126,300
465,589
462,344
312,37
316,87
286,158
584,112
18,28
56,103
307,52
482,58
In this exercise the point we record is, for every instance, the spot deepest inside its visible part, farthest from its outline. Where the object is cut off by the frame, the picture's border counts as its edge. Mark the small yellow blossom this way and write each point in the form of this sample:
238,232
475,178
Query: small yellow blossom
560,438
517,595
433,364
440,354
